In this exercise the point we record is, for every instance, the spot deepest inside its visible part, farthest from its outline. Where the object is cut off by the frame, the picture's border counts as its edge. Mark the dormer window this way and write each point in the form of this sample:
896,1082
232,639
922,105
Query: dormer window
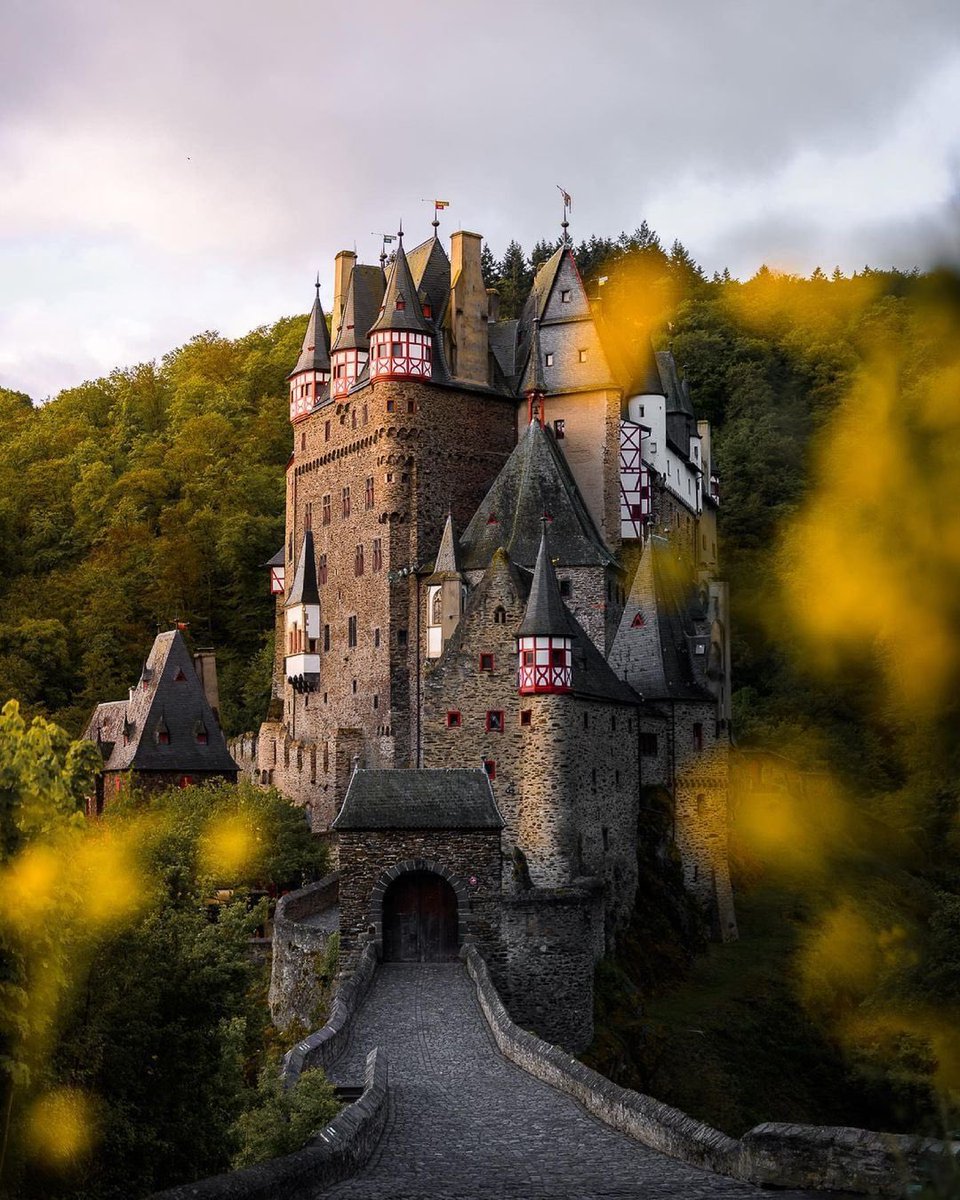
401,303
179,677
396,349
428,311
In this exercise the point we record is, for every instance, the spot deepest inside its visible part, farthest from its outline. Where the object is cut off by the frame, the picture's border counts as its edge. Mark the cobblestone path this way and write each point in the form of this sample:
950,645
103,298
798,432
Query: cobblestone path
464,1123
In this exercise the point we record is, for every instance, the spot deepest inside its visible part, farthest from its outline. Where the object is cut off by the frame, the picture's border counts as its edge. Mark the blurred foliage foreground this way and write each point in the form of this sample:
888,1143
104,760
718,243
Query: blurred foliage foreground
136,1046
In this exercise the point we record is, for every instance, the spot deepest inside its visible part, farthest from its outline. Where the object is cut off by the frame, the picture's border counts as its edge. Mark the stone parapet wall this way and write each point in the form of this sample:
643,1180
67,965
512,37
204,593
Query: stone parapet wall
295,990
770,1155
338,1151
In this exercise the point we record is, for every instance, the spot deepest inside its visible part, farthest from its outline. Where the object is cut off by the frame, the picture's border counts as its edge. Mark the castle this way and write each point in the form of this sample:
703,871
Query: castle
498,627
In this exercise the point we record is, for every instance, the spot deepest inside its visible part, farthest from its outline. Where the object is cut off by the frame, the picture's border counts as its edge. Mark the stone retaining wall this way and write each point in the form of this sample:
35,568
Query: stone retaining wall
771,1155
294,987
336,1152
322,1047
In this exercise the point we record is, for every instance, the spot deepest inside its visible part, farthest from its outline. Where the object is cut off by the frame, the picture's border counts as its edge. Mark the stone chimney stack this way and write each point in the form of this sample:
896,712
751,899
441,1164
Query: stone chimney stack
493,305
469,307
342,266
205,664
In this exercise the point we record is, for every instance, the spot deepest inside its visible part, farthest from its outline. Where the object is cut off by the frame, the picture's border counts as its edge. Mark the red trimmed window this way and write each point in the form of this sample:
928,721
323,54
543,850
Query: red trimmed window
529,658
454,719
490,766
203,738
163,737
558,657
186,780
494,720
486,662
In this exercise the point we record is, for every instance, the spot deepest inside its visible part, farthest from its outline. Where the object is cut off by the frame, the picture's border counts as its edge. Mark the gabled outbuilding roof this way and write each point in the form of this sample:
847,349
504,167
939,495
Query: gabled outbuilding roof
534,481
419,799
168,699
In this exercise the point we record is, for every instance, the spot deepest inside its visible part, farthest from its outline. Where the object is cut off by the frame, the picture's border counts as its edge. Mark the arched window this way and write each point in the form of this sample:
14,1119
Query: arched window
436,608
499,615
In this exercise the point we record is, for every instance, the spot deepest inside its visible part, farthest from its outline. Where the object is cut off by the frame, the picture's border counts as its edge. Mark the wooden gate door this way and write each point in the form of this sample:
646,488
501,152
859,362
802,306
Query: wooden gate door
420,919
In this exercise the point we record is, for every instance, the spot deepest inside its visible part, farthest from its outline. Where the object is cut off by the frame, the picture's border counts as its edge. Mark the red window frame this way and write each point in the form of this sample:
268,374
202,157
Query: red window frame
454,719
490,766
494,720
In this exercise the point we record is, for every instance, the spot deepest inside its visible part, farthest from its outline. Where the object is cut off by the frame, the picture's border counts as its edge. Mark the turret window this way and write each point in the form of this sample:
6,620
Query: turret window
396,349
529,658
558,657
494,721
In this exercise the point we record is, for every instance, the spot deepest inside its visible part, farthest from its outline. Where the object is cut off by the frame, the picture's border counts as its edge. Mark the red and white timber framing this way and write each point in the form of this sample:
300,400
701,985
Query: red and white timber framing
276,581
634,481
347,365
400,352
305,390
545,664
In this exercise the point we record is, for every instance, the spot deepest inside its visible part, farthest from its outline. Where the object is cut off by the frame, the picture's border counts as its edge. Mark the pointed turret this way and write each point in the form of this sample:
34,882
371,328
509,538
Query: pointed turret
546,632
349,353
445,591
302,611
400,338
312,373
533,385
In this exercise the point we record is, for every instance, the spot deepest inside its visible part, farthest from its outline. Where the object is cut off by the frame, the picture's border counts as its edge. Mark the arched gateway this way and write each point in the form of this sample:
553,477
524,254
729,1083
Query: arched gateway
420,923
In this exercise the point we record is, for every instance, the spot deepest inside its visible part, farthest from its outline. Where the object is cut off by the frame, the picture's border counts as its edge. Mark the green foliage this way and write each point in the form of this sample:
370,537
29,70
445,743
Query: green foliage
282,1121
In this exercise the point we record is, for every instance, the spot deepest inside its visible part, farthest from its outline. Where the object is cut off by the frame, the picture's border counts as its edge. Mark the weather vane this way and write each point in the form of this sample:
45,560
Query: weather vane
567,207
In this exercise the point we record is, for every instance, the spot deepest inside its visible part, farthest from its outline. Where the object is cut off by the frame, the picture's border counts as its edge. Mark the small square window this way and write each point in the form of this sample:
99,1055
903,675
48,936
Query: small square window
454,719
526,716
486,662
391,406
494,721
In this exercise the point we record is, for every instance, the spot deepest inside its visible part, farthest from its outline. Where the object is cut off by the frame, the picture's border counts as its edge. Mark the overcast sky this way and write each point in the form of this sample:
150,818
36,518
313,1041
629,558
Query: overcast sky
190,164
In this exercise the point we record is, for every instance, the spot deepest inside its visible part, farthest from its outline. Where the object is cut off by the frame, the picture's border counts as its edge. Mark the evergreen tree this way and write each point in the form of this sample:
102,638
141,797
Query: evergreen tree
541,252
516,277
489,267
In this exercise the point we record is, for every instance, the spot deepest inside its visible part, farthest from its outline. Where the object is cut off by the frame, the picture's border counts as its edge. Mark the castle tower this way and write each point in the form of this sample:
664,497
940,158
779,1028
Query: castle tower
544,638
302,622
312,373
445,589
350,351
400,338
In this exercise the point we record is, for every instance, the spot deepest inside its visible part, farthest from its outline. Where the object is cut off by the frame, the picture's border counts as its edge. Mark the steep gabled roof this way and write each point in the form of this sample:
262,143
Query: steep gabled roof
532,380
448,556
534,480
678,396
401,307
304,588
169,697
360,307
430,271
419,799
545,615
315,351
278,559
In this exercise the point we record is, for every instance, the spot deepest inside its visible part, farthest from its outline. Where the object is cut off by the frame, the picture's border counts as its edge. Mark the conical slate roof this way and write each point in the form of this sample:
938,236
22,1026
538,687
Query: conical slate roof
401,304
315,351
546,615
360,307
304,588
534,480
430,270
448,556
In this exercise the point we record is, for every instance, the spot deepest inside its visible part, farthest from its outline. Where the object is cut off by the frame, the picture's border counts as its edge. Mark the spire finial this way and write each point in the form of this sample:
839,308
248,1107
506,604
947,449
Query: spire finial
317,285
400,231
567,207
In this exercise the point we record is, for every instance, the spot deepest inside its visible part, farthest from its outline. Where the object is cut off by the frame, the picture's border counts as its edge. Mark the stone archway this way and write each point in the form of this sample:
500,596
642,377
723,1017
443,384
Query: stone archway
419,912
420,919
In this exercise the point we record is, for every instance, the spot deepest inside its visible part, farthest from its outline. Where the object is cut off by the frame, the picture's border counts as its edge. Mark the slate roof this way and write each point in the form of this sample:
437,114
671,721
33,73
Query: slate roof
678,396
592,676
401,289
315,351
419,799
169,695
545,615
430,270
278,559
533,378
448,556
503,345
304,588
677,606
360,307
534,480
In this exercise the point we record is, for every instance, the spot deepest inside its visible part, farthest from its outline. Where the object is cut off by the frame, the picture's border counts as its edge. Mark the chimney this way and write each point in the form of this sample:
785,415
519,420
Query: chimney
342,266
493,305
205,665
469,308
